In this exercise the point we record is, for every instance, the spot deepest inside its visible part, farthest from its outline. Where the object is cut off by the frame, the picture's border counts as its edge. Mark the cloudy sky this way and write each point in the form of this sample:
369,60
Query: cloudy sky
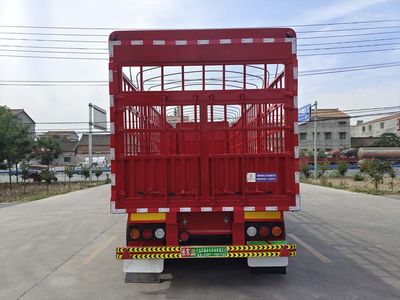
350,90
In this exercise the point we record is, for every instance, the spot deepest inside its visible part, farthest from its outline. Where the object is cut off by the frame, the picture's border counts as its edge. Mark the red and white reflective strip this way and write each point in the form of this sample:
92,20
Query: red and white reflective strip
298,204
222,41
114,210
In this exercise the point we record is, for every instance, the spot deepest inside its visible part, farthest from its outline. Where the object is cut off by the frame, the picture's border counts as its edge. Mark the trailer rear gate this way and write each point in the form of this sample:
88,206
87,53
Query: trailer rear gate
204,120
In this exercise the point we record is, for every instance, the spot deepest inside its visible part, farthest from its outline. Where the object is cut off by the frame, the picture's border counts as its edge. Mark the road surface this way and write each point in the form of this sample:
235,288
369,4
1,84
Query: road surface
63,248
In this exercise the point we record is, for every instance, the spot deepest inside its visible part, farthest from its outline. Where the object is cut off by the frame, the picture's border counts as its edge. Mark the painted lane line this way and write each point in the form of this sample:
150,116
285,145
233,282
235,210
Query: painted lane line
98,250
310,249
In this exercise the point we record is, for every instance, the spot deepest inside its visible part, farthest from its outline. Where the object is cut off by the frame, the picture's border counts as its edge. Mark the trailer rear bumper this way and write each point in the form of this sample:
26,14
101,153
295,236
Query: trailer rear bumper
179,252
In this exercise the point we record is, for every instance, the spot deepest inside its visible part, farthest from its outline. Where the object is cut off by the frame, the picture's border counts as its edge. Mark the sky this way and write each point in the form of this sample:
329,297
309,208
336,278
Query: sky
349,90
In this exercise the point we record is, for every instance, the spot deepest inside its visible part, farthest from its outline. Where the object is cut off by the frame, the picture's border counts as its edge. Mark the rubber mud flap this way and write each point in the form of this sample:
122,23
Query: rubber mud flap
142,278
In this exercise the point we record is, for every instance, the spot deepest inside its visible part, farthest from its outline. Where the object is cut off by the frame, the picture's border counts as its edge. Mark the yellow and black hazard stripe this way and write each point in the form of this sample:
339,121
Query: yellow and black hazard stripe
147,249
260,247
256,254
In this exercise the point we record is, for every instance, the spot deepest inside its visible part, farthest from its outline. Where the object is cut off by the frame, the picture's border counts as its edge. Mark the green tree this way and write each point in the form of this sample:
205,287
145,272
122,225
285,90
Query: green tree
323,167
98,173
46,149
388,140
48,176
376,169
70,173
15,143
85,172
342,167
392,174
305,169
25,174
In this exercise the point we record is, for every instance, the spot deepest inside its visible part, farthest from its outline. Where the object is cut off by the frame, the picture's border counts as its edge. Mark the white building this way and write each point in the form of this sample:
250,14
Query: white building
376,127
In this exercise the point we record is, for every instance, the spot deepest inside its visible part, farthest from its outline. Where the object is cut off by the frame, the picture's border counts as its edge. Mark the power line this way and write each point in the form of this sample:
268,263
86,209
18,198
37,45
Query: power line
346,42
55,47
121,28
348,70
345,35
349,52
347,47
51,40
53,57
63,34
54,52
351,67
344,29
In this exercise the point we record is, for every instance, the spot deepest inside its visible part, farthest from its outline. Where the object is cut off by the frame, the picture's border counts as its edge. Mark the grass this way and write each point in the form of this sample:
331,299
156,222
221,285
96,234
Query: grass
37,191
366,186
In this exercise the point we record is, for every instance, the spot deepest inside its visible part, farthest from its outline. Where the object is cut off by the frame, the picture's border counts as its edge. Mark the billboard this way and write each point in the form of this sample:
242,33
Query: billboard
305,113
99,118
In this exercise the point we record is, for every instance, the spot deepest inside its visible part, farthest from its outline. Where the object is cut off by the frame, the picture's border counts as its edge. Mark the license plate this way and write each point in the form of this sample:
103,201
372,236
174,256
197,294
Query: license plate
204,251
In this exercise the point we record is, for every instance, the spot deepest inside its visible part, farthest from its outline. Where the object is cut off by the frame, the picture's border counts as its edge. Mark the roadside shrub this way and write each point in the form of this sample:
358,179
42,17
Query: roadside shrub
85,173
358,177
322,168
392,174
70,173
305,169
342,167
98,173
376,169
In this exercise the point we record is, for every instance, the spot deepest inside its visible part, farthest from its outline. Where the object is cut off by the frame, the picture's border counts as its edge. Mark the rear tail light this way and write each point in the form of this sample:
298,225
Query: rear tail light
276,231
263,231
134,234
159,233
184,236
251,231
147,234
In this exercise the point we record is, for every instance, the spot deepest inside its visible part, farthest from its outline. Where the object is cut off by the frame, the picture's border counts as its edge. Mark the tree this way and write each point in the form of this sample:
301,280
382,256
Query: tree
70,173
85,172
25,174
388,140
392,173
323,167
48,176
376,169
98,173
46,149
15,142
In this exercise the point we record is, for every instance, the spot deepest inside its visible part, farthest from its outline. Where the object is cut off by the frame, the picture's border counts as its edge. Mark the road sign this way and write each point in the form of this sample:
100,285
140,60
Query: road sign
99,118
305,113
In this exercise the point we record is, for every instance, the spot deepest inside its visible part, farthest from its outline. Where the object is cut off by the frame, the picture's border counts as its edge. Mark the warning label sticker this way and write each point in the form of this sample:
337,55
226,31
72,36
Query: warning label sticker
261,177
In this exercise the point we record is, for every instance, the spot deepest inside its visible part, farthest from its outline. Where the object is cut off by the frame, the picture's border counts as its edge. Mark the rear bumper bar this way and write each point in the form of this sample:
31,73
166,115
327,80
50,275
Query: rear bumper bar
266,250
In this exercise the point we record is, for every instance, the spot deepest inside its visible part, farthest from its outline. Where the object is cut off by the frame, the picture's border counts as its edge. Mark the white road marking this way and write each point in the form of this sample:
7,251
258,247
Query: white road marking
310,249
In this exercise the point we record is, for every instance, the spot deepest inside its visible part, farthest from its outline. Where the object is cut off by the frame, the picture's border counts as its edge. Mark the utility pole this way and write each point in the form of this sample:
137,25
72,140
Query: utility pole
315,141
90,141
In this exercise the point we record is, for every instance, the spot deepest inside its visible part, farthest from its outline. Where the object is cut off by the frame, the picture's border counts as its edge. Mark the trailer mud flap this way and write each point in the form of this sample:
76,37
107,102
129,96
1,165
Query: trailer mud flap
240,251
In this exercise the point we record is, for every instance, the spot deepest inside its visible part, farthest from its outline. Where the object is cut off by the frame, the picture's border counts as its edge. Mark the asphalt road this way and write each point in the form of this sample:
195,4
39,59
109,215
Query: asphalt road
63,248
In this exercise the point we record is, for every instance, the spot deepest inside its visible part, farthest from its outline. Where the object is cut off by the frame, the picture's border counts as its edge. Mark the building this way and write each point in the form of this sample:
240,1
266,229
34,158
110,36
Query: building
66,135
101,146
26,119
333,131
376,127
67,155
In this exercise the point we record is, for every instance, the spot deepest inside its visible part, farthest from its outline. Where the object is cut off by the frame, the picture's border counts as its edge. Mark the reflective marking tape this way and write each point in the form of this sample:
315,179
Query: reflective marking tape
112,153
137,42
159,42
112,129
227,208
203,42
247,41
148,249
295,102
298,204
180,42
185,209
112,177
114,210
268,40
296,177
148,217
225,41
294,46
163,209
271,208
110,75
142,210
262,215
111,45
295,74
249,208
296,152
206,209
296,128
111,100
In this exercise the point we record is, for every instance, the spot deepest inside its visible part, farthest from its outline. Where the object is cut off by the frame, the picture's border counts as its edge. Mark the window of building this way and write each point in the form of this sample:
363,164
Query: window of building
328,135
369,127
363,129
67,159
342,135
303,136
342,123
382,125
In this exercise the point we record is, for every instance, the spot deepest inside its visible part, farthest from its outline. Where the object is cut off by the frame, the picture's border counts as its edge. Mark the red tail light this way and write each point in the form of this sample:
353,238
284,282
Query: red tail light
134,234
263,231
147,234
184,236
276,231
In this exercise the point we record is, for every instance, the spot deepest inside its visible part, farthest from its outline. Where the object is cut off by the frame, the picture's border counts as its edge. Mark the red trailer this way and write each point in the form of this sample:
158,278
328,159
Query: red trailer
204,148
